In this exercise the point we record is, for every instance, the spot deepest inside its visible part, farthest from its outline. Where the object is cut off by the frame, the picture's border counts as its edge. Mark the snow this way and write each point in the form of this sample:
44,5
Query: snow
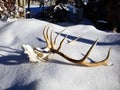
17,73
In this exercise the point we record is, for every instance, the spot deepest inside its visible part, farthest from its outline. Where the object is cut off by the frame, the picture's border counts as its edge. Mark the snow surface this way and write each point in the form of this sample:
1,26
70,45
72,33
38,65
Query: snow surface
16,73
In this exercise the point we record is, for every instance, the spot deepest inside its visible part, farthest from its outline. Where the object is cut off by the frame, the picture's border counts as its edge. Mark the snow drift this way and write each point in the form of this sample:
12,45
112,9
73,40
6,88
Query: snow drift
16,73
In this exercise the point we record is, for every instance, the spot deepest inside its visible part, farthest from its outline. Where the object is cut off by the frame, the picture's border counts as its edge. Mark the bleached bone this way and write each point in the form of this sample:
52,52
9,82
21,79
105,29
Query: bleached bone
35,54
42,54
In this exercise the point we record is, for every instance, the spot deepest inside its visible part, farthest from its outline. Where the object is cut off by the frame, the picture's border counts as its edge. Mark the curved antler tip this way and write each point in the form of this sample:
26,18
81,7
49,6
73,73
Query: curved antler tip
109,50
106,61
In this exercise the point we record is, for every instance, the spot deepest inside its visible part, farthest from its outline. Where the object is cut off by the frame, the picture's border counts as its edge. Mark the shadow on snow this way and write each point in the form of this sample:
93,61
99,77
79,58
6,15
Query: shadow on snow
15,57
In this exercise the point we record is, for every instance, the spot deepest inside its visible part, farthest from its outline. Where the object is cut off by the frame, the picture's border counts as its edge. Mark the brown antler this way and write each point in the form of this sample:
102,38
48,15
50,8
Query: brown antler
51,46
45,34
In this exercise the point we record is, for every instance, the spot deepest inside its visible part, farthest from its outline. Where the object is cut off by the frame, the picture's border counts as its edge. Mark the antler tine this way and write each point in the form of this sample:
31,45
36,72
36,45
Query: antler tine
61,43
58,35
45,34
74,40
108,54
89,51
51,42
107,57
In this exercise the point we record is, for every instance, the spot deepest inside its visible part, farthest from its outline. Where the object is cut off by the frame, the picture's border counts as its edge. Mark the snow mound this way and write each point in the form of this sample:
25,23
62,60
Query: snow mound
16,73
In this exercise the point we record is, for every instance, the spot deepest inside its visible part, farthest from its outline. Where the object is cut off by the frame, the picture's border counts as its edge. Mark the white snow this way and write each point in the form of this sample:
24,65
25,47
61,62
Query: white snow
17,73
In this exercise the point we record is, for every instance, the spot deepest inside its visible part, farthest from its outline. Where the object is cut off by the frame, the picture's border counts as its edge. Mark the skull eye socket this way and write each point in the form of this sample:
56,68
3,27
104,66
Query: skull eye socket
39,54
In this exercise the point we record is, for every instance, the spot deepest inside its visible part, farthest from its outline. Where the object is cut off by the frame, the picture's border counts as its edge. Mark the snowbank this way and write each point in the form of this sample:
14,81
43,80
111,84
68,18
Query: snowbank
16,73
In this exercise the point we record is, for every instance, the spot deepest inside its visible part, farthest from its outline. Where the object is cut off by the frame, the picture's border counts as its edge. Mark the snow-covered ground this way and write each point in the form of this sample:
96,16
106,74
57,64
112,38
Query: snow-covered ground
16,73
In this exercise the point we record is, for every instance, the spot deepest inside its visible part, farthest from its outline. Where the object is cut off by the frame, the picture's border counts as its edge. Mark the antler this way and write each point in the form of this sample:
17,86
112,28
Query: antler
51,47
